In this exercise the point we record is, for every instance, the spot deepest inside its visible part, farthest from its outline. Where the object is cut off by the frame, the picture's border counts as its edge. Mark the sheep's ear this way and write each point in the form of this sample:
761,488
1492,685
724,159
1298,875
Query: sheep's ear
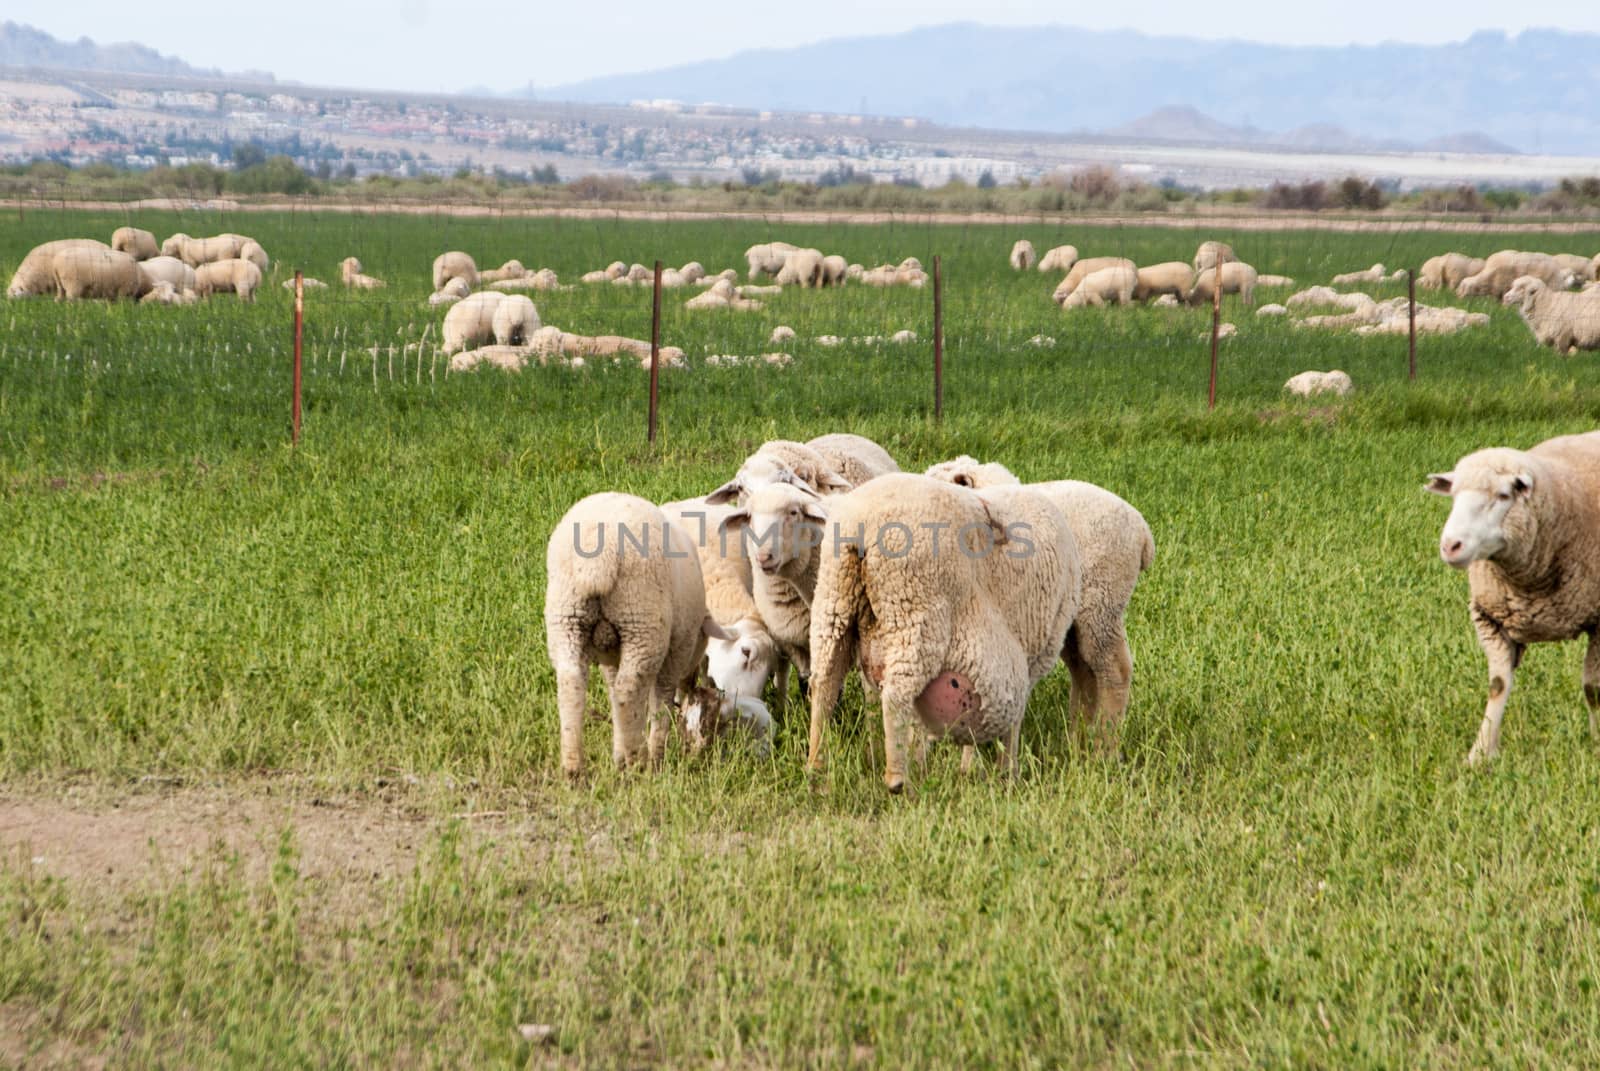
832,483
1441,483
728,492
815,512
1521,484
715,631
734,521
961,479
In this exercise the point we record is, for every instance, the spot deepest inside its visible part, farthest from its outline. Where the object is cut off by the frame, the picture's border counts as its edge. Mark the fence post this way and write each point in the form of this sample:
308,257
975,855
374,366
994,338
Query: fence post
1411,290
938,339
299,331
1216,330
655,355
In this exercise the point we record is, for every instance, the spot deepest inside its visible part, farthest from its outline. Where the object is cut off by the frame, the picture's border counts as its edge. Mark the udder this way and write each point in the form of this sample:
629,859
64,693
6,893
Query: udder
947,699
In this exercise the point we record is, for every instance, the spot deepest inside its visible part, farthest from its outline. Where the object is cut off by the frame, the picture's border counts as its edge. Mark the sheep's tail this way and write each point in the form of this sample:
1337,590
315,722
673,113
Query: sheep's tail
841,599
1147,549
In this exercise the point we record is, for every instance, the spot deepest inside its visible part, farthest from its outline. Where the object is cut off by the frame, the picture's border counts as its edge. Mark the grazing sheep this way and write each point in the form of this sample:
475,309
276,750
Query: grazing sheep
223,276
1022,255
1108,286
624,590
855,457
803,267
515,320
454,265
252,251
1083,268
710,713
36,275
470,321
1502,269
1445,271
1375,274
1061,258
1115,547
169,270
453,291
781,333
954,632
1524,524
834,270
1565,322
767,258
350,275
1237,278
1173,277
1209,254
1306,384
141,245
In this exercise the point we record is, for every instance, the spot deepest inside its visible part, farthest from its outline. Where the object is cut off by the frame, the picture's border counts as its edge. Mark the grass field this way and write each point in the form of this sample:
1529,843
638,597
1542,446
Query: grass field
300,697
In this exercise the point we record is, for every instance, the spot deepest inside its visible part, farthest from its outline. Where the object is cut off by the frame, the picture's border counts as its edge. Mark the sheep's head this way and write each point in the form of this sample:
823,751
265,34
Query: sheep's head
964,471
1524,287
741,664
706,714
1490,490
762,470
781,526
349,267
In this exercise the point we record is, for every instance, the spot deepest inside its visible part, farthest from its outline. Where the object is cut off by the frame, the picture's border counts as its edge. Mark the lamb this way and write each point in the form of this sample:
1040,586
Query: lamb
251,250
453,291
470,321
1082,268
1022,255
1565,322
1445,271
514,320
1173,277
834,270
169,270
1108,286
855,457
222,276
1210,254
1502,269
624,591
36,275
709,713
454,265
767,258
141,245
1061,258
780,527
1524,525
955,633
803,267
1308,383
164,293
1115,547
350,275
1237,278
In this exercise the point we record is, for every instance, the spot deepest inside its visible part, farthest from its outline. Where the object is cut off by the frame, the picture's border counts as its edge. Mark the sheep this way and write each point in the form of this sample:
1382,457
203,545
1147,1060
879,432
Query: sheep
1167,301
454,265
578,346
164,293
252,251
307,282
1237,278
748,291
36,275
779,526
514,320
708,714
1108,286
855,457
594,277
1210,254
854,271
632,603
511,269
1115,547
197,251
1306,384
780,334
1375,274
803,267
506,357
1502,269
954,633
721,295
910,264
1582,268
1173,277
1524,525
729,360
692,272
543,279
169,270
782,461
1041,341
1082,268
834,270
141,245
1022,255
1445,271
350,274
1565,322
470,321
889,275
903,336
223,276
453,291
1327,295
767,258
1061,258
1274,309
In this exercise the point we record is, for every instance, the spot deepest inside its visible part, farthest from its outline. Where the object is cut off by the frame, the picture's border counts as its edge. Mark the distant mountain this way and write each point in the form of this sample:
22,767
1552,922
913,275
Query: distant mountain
24,46
1538,91
1184,125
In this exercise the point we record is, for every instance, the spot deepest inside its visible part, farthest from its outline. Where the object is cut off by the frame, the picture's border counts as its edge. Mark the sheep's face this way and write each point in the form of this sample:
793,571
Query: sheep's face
741,664
764,470
1525,287
963,471
704,717
1489,492
782,526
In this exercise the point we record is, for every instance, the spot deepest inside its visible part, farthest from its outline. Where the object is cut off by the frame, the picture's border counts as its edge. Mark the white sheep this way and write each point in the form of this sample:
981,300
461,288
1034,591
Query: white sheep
780,526
1502,269
855,457
454,290
543,279
141,245
1108,286
511,269
1447,270
1582,268
1115,547
470,321
1273,309
624,591
802,267
1082,269
1173,277
903,336
1375,274
1525,525
1210,254
36,274
454,265
252,251
1565,322
223,276
1306,384
782,461
835,270
1237,278
710,713
1022,255
197,251
722,295
169,270
506,358
781,334
767,258
350,274
514,320
955,603
307,282
164,293
1061,258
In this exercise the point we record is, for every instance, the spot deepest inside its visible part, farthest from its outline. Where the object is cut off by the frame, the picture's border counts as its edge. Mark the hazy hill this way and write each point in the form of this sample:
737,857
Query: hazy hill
24,46
1538,91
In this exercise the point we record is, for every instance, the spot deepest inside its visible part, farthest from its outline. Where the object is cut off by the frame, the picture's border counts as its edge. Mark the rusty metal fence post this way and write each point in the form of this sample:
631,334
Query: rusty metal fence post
655,356
1216,330
299,332
938,339
1411,291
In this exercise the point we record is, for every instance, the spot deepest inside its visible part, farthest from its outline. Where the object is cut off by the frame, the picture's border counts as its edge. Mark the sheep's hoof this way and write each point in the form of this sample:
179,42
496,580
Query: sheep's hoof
1477,759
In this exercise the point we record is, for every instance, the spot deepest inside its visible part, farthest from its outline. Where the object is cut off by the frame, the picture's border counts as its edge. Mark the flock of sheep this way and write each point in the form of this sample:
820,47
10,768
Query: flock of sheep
180,271
952,593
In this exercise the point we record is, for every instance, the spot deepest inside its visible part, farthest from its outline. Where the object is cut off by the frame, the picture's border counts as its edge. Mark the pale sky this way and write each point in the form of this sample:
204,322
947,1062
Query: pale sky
433,46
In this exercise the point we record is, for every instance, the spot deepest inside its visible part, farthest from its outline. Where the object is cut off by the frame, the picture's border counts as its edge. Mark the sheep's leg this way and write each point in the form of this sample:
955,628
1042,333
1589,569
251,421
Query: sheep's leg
658,718
969,759
1503,656
1591,685
630,694
896,740
1111,664
1083,701
1008,752
572,686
